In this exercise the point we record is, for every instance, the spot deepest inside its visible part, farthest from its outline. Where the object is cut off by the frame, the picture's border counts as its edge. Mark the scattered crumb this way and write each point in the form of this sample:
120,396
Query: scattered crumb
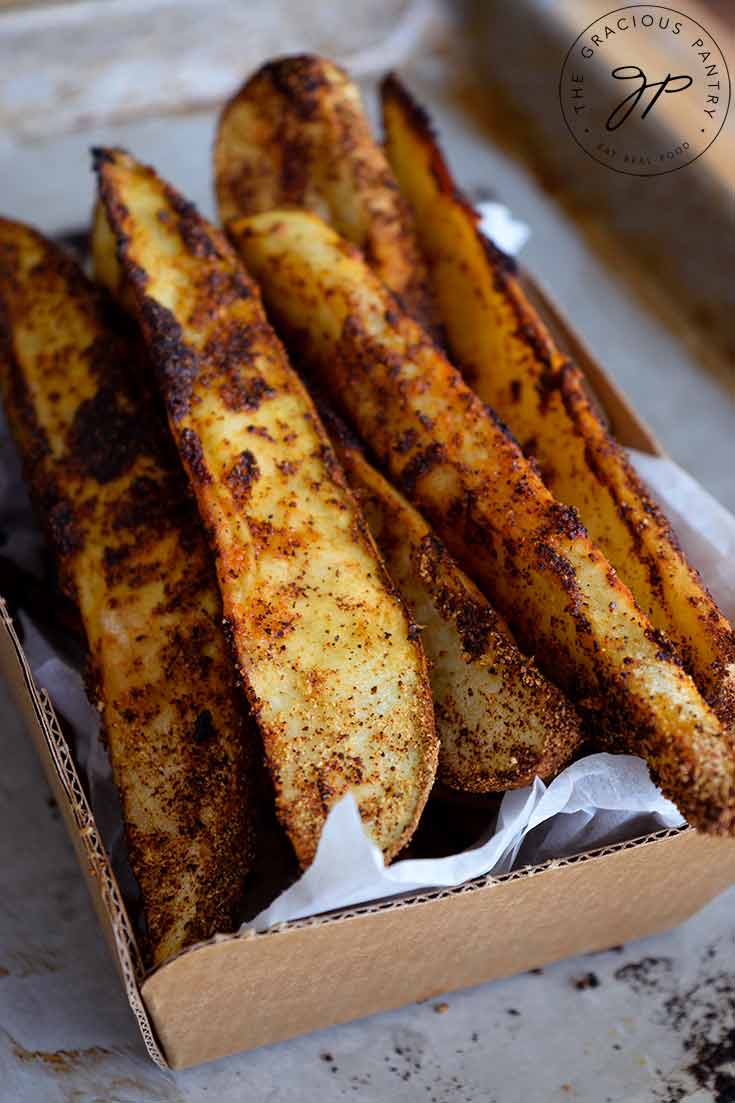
589,980
441,1008
703,1015
513,1011
646,974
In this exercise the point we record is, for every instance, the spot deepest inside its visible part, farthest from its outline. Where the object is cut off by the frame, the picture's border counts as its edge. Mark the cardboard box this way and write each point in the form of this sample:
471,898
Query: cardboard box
237,992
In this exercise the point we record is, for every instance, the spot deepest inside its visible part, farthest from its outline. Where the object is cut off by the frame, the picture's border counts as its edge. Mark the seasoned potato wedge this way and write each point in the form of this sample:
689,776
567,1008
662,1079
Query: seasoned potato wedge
531,555
332,664
511,362
296,135
133,558
500,722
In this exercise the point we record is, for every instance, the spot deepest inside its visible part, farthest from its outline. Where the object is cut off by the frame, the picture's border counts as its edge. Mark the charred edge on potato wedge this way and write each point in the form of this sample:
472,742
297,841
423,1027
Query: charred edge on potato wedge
332,664
510,360
500,722
296,134
530,554
132,557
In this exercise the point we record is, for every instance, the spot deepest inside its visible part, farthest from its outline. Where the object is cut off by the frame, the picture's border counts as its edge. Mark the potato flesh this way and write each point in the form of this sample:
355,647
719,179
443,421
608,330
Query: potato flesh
526,551
133,558
331,663
510,361
499,721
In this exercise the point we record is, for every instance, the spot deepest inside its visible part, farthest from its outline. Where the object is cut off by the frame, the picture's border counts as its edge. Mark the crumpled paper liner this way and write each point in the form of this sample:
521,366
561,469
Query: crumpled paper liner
592,803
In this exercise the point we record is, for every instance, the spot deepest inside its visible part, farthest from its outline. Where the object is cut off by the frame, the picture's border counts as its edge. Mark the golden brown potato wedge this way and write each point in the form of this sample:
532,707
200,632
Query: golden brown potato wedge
500,722
512,363
529,553
296,135
133,558
331,662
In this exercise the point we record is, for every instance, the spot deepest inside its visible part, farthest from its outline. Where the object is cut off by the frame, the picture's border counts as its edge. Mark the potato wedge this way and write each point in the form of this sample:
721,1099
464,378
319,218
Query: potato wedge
132,556
332,664
530,554
509,359
500,722
296,134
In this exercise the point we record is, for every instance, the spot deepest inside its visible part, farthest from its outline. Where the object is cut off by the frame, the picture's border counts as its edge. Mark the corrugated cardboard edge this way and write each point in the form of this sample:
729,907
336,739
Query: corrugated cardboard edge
43,724
58,763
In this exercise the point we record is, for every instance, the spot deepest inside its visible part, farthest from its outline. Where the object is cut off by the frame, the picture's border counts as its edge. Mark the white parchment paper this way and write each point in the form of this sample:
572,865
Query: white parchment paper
590,804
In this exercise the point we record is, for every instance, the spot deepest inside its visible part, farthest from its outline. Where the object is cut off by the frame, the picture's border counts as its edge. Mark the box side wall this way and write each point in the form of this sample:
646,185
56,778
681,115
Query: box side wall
243,992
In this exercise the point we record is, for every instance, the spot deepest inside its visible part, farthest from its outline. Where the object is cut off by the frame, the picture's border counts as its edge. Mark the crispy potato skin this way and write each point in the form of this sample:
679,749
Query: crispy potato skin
511,362
500,722
331,662
296,134
529,553
132,556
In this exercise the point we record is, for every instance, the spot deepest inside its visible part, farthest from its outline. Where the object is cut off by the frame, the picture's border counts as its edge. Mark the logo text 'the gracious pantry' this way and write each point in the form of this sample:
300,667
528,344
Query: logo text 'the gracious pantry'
645,90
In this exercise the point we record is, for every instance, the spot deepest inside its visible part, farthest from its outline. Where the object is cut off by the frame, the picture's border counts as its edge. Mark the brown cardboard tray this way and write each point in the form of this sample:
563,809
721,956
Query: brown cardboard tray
237,992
